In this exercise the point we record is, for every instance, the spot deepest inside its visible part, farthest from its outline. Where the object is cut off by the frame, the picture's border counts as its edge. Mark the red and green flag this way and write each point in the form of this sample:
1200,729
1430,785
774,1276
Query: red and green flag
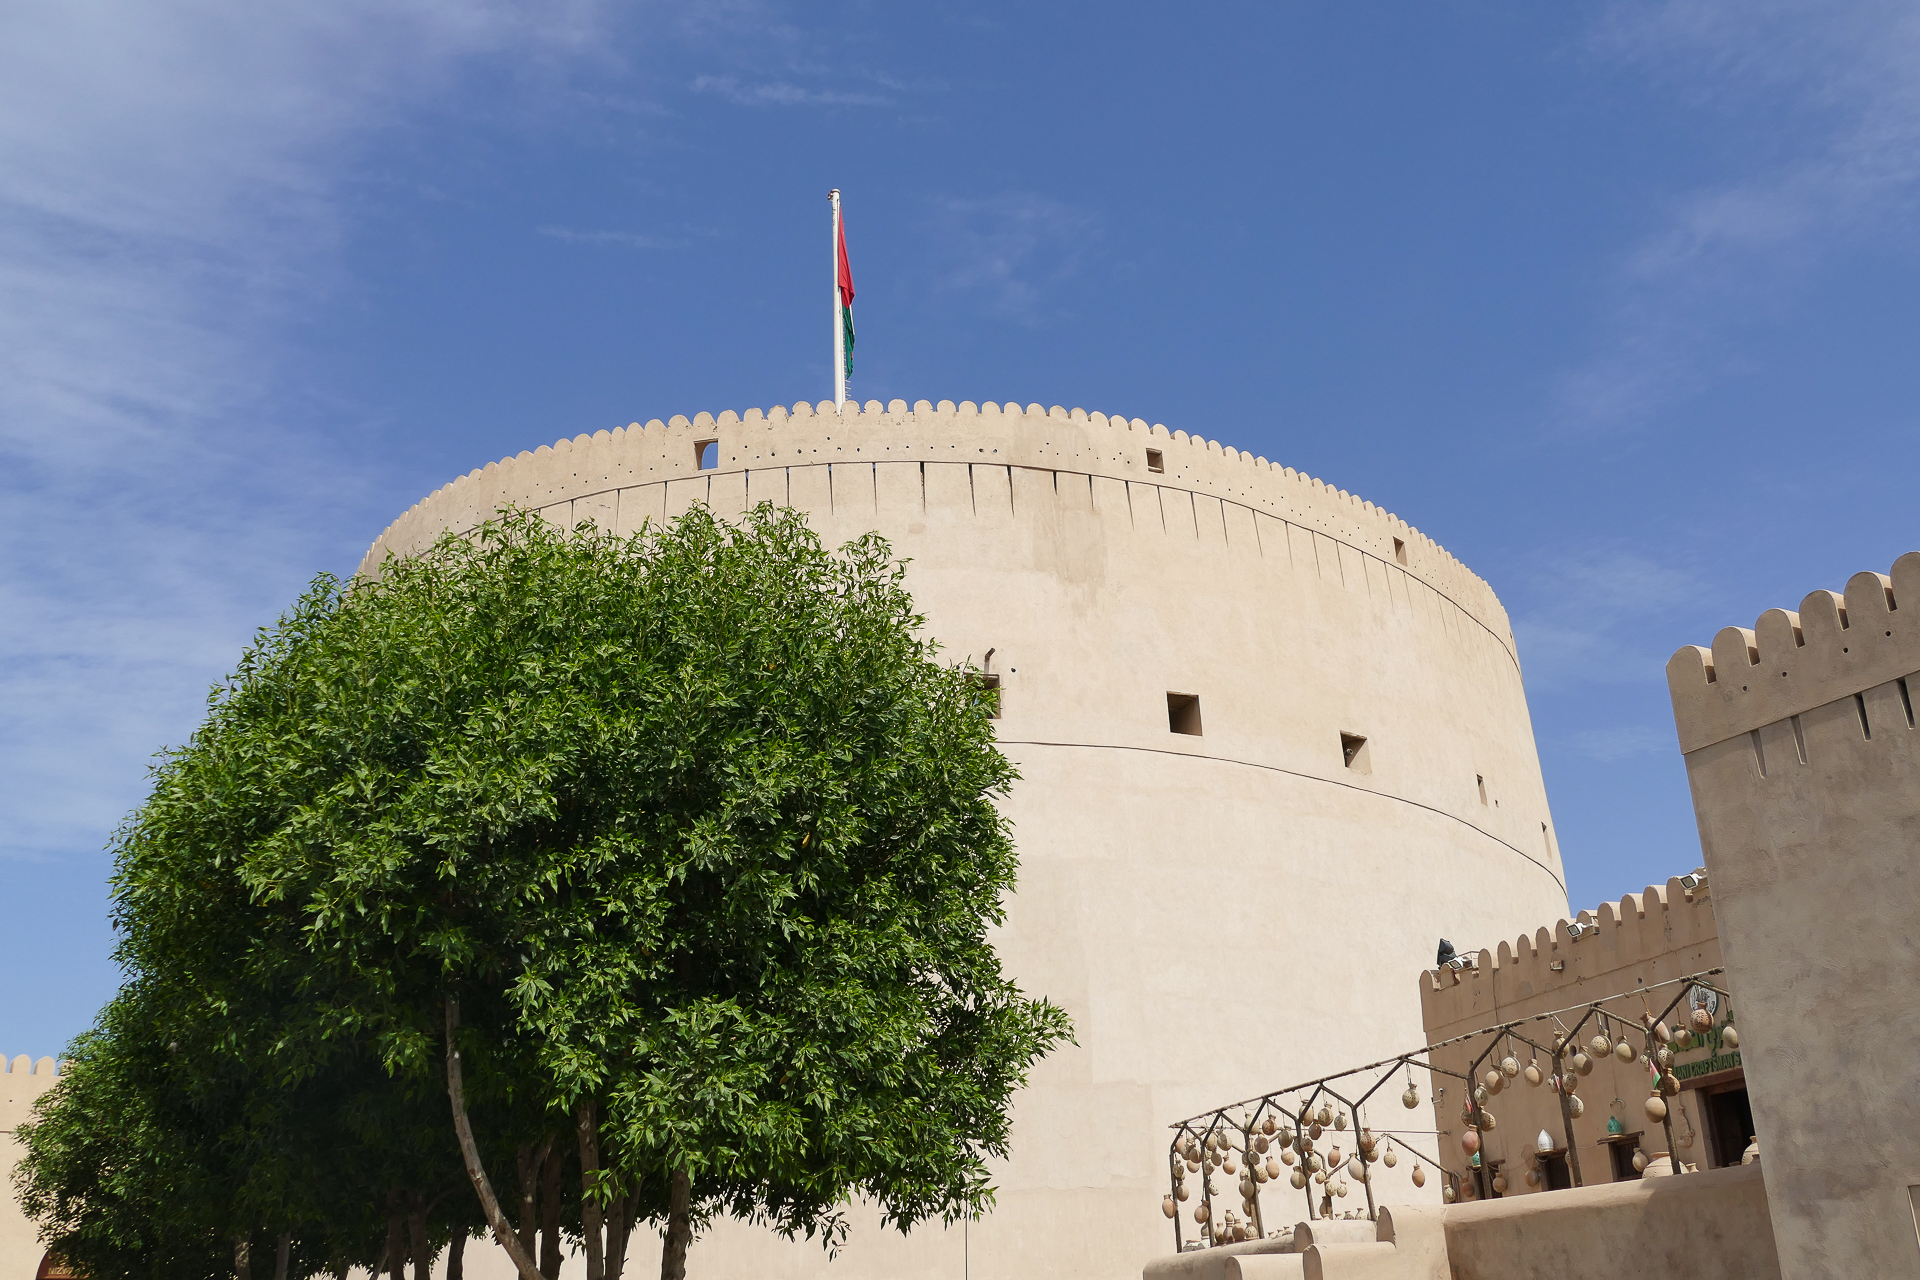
844,277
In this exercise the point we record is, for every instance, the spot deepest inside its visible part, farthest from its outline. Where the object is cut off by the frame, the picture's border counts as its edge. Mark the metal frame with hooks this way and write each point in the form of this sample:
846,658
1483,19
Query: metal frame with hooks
1202,1128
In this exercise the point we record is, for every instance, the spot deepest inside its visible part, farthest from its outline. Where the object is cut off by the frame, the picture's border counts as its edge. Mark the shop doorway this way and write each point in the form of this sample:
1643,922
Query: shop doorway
1729,1123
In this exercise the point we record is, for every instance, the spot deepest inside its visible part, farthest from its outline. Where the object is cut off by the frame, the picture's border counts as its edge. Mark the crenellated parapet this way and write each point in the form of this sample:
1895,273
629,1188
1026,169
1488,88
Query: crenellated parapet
1834,647
583,469
1636,933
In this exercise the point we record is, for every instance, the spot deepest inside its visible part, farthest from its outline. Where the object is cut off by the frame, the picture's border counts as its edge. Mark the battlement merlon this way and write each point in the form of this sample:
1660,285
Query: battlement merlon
1834,647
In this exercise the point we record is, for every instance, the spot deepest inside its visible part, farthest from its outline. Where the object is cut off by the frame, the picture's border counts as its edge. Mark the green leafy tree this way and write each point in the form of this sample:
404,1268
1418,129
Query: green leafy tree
676,854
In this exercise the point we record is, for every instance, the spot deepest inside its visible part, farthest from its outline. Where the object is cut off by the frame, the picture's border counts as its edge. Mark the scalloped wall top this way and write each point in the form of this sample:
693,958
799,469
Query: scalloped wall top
1389,536
1834,647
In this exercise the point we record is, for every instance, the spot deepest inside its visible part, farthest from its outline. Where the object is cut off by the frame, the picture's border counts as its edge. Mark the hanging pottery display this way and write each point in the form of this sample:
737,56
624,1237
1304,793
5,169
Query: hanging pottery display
1576,1107
1411,1098
1601,1046
1624,1052
1533,1177
1509,1066
1729,1038
1201,1213
1640,1162
1500,1183
1701,1018
1390,1159
1168,1207
1286,1155
1582,1064
1656,1108
1533,1074
1470,1140
1447,1193
1180,1192
1299,1180
1419,1174
1682,1038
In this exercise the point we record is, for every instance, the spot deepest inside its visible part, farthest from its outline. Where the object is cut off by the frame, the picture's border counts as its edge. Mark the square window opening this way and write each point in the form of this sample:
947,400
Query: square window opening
1154,462
1354,754
989,686
707,454
1399,550
1183,713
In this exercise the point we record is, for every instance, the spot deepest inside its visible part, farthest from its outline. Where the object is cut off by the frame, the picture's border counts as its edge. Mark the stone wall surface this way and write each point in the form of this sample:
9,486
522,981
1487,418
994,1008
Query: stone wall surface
21,1084
1164,876
1710,1225
1805,768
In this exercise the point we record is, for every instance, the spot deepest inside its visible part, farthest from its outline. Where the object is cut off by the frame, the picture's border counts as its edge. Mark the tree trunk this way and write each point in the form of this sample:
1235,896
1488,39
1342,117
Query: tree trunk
396,1236
470,1154
619,1224
587,1124
550,1213
281,1255
457,1255
417,1237
243,1259
673,1258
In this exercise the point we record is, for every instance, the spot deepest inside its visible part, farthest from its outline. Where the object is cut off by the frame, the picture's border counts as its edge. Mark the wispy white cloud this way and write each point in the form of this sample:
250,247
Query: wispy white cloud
781,93
1011,251
1839,84
169,179
630,239
1585,617
1626,742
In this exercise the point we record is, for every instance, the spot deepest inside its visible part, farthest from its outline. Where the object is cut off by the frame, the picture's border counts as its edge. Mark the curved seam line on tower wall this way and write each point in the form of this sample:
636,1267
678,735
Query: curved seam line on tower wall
1310,777
1512,657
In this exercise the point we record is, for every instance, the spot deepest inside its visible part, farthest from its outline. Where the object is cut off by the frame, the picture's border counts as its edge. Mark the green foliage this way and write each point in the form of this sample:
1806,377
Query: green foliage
694,826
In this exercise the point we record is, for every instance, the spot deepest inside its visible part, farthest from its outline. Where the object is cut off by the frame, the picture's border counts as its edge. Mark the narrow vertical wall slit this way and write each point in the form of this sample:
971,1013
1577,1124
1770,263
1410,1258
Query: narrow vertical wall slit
1860,706
829,486
1799,738
1906,700
973,500
1009,490
1759,752
923,488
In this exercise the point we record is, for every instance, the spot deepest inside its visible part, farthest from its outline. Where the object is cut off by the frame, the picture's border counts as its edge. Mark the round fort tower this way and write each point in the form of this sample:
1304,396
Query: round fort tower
1273,744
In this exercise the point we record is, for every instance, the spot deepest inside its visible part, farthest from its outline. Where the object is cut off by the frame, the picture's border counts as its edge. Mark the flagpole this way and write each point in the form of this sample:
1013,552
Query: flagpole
839,339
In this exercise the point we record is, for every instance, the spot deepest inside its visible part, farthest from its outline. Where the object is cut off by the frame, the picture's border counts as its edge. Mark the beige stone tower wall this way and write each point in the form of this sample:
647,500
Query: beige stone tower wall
1805,767
1219,912
21,1085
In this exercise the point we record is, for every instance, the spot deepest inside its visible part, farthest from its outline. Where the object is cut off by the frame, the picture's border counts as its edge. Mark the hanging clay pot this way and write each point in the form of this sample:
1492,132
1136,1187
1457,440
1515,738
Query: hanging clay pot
1447,1193
1487,1121
1729,1038
1227,1164
1470,1140
1419,1176
1601,1046
1480,1094
1272,1167
1313,1161
1656,1108
1358,1168
1661,1033
1533,1074
1314,1132
1701,1020
1576,1108
1682,1038
1624,1052
1582,1064
1640,1161
1500,1183
1181,1191
1298,1179
1509,1066
1390,1159
1326,1114
1260,1143
1533,1177
1411,1098
1340,1121
1267,1126
1663,1057
1246,1188
1200,1213
1193,1166
1492,1078
1286,1155
1669,1084
1168,1207
1568,1084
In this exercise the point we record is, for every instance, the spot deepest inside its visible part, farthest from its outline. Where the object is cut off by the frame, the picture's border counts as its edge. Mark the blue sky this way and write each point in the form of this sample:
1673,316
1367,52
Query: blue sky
1616,300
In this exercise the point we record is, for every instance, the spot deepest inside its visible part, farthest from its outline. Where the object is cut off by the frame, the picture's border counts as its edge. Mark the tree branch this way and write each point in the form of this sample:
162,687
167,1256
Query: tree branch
470,1152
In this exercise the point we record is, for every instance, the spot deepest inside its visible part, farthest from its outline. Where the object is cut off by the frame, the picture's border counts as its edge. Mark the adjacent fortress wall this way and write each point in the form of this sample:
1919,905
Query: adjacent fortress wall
1164,877
21,1084
1805,767
1644,939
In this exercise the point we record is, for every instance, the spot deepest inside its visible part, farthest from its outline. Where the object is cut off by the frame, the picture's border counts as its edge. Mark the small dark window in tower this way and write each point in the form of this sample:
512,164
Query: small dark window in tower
1353,753
1481,783
1154,462
1399,551
707,452
1183,713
